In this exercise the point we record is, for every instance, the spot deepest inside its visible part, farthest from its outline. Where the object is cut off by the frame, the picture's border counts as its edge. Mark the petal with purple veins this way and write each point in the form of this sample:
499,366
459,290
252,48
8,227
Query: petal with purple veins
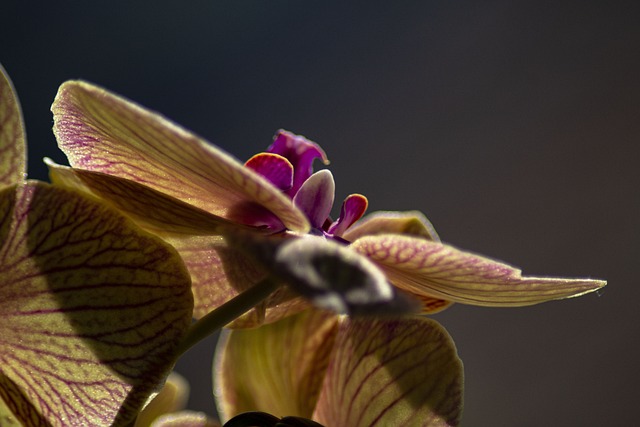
392,372
102,132
441,271
92,309
277,368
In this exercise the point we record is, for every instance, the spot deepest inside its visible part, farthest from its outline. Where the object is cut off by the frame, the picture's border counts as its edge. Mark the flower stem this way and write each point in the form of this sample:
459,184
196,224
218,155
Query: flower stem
227,312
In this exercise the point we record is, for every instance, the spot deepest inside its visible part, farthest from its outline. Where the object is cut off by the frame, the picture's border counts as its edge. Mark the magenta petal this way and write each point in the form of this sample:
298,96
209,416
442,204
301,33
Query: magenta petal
353,207
277,169
315,197
300,152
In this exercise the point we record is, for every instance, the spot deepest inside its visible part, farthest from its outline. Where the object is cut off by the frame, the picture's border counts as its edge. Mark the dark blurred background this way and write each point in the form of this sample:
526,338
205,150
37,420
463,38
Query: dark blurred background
513,125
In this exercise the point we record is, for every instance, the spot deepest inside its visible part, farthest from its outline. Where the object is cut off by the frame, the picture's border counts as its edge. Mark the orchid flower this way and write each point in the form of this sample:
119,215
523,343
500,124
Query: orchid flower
92,306
341,371
191,193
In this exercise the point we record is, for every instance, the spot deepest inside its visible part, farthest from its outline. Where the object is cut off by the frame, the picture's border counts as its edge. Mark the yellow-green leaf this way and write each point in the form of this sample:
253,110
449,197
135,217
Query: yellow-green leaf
101,132
401,372
92,309
12,136
276,368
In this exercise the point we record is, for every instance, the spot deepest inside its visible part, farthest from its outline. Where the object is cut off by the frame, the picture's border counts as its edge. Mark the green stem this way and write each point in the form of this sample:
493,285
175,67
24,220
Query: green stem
227,312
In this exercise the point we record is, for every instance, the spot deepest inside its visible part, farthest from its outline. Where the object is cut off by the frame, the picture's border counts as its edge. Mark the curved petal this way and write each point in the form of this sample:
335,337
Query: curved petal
315,197
218,273
185,419
301,152
334,277
437,270
102,132
13,158
151,209
412,223
172,397
277,368
402,372
92,309
277,169
353,207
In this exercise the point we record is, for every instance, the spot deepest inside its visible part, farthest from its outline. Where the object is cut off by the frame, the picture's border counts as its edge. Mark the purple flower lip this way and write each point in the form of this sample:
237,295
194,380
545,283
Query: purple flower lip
301,152
288,165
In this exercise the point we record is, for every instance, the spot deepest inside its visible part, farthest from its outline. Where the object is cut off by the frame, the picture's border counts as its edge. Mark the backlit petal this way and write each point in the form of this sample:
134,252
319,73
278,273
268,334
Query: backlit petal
218,273
411,223
151,209
277,368
185,419
442,271
172,397
12,136
102,132
92,309
402,372
277,169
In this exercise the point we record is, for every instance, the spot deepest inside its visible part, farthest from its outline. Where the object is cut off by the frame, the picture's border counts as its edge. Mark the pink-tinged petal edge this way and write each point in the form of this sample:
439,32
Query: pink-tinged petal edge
277,368
102,132
13,154
275,168
392,372
301,152
438,270
218,272
92,309
353,207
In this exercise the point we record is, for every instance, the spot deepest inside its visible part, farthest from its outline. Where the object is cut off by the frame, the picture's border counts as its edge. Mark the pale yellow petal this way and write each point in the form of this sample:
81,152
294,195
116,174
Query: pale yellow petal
441,271
102,132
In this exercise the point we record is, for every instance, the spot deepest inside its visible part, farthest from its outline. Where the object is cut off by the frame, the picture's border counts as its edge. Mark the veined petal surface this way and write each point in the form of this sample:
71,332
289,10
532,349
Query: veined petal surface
277,368
218,272
442,271
149,208
12,136
92,309
102,132
392,372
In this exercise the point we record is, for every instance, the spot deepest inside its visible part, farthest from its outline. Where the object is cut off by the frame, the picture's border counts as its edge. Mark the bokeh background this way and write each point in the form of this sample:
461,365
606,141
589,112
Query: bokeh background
513,125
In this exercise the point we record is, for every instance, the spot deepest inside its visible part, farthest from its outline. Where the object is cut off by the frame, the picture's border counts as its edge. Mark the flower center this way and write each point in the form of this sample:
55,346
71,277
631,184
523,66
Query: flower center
288,165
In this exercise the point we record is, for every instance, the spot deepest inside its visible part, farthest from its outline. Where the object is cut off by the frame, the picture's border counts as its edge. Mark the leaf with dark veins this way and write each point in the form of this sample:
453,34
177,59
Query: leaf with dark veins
92,309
